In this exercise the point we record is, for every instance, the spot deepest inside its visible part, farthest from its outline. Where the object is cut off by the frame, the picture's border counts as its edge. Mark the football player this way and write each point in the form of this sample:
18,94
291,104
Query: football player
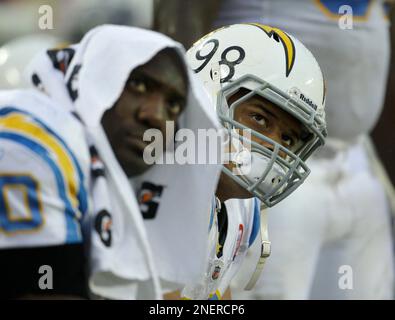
265,81
344,233
66,153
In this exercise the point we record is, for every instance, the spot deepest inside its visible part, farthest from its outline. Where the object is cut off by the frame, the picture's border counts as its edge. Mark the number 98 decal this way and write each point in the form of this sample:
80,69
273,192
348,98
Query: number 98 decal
230,57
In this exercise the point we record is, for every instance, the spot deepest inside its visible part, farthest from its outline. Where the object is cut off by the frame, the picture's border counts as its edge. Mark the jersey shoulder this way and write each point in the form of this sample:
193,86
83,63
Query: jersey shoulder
44,172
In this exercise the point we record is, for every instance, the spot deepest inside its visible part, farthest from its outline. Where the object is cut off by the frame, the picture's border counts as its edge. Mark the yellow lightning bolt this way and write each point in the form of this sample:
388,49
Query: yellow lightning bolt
288,44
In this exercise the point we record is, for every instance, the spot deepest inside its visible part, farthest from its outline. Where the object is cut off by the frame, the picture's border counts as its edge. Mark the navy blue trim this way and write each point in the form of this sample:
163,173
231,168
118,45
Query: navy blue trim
82,194
256,223
73,234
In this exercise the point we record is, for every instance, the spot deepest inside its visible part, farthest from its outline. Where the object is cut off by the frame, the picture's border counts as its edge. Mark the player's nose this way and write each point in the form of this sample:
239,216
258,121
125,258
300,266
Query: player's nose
152,111
275,135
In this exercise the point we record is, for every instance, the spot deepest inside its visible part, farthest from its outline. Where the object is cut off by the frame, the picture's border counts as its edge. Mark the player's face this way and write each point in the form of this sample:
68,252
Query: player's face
264,117
154,93
261,115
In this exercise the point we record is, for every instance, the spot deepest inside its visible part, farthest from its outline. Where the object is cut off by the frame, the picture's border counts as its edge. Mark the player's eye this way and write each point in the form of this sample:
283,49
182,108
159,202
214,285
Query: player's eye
260,119
137,85
175,106
288,141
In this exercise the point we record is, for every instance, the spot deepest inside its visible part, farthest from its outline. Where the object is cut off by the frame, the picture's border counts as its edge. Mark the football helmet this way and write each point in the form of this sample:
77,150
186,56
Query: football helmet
273,64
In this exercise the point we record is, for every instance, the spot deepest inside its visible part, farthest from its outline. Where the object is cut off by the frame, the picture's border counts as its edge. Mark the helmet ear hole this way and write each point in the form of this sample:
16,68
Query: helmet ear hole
276,180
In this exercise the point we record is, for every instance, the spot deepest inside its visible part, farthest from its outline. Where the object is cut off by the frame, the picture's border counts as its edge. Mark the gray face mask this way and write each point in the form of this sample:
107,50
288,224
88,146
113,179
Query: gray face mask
263,172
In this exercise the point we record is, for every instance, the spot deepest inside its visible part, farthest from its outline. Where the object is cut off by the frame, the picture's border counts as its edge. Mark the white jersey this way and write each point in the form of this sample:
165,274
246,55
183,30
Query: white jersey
44,172
360,55
231,233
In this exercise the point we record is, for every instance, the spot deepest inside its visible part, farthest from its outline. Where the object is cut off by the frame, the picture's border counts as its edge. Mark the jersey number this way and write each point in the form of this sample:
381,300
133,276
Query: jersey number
20,204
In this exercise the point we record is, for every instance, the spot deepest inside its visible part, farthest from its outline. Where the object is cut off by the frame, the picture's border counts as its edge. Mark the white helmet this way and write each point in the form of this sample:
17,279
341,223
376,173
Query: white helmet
270,63
16,55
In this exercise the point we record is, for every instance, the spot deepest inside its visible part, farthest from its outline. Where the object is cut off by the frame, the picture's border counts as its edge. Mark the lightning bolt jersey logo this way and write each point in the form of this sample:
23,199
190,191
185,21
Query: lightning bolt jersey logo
286,41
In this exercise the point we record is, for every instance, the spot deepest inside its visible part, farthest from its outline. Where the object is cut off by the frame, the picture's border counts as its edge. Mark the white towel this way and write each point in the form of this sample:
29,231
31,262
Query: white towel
172,246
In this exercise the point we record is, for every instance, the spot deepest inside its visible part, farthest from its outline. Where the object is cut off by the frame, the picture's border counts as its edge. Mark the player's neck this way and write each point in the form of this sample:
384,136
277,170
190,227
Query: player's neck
227,189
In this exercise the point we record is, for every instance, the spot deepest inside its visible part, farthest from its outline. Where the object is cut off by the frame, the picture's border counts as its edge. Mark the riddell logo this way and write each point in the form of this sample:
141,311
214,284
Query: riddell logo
308,101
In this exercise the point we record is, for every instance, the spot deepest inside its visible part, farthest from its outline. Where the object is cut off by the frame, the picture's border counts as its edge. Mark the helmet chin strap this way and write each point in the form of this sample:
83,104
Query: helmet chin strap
265,250
253,165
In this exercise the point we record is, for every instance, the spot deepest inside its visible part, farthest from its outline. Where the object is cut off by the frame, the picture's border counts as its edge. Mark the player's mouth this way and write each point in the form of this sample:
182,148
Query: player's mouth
136,144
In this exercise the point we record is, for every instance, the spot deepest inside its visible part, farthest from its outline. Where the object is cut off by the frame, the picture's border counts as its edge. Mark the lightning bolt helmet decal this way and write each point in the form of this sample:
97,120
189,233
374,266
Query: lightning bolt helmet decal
287,42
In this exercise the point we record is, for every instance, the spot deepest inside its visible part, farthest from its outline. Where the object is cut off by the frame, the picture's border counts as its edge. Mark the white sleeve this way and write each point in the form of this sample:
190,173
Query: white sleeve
41,203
